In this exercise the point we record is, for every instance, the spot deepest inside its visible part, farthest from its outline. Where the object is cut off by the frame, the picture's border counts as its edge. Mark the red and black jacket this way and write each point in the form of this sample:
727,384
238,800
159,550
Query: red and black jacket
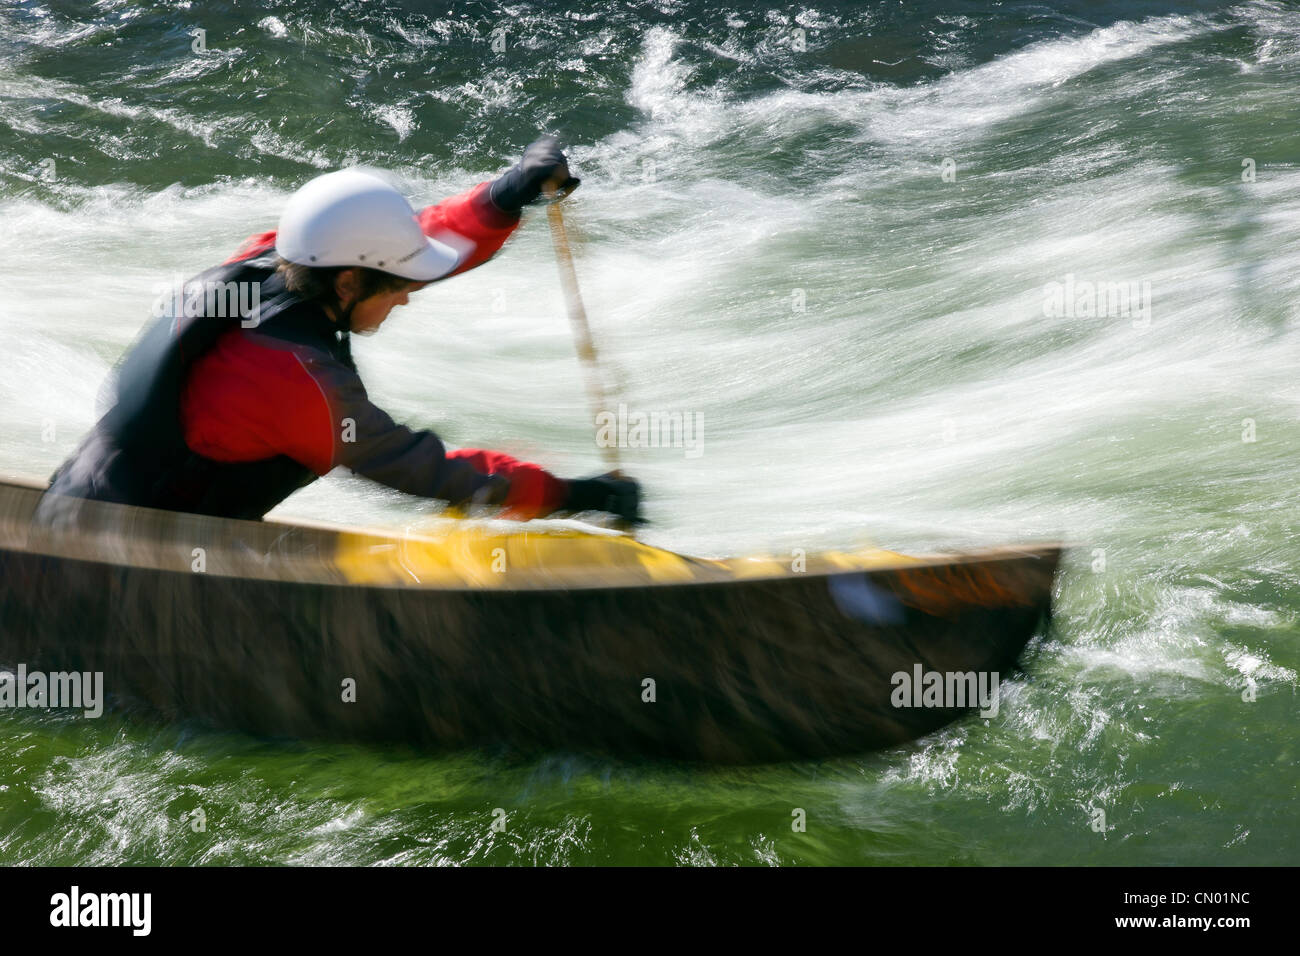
213,417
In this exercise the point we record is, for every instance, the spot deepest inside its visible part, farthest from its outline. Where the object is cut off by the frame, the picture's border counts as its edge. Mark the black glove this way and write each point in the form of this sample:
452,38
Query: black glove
491,492
612,493
543,161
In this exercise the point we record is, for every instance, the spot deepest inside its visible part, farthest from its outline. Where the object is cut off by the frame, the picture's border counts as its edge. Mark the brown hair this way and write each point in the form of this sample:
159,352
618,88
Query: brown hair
318,283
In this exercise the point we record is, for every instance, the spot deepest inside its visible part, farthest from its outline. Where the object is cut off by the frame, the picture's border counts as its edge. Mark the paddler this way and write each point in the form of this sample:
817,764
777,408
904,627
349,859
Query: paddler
228,411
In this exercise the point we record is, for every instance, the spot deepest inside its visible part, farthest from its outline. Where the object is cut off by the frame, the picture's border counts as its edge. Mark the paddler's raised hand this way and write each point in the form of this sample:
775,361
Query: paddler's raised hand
544,168
613,493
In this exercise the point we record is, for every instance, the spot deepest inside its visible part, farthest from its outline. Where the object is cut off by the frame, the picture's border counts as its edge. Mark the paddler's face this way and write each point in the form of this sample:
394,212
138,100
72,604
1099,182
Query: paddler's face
369,314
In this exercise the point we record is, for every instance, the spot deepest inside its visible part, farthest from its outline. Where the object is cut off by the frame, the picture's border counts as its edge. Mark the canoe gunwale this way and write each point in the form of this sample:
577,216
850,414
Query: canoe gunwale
248,550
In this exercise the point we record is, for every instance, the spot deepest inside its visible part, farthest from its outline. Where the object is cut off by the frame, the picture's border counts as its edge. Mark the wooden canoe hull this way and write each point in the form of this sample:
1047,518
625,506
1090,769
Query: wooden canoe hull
743,669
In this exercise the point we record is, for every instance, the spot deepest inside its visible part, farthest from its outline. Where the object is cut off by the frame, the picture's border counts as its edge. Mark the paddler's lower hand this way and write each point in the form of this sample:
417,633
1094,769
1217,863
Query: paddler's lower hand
544,168
613,494
491,494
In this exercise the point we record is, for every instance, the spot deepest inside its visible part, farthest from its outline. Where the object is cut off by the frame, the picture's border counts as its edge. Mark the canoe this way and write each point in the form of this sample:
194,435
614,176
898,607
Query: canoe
546,635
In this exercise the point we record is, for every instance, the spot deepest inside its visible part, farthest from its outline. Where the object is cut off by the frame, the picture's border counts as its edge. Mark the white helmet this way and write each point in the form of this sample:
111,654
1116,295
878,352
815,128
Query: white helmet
354,218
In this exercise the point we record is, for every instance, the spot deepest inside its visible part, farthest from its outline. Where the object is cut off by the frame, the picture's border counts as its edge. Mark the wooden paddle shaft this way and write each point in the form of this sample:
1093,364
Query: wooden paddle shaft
581,330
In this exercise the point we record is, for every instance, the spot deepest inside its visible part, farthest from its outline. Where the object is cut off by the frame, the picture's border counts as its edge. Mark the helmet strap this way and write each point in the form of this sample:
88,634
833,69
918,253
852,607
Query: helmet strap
340,316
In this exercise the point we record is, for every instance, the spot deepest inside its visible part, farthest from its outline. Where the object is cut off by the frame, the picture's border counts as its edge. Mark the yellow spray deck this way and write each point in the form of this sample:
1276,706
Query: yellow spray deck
547,554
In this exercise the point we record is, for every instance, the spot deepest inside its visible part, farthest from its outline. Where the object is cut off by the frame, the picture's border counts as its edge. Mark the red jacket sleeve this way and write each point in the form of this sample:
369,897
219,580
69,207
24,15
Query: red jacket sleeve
475,224
469,223
534,491
253,397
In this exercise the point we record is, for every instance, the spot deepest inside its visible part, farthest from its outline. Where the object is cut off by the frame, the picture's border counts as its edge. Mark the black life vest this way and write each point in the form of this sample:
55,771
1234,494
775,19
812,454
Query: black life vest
136,454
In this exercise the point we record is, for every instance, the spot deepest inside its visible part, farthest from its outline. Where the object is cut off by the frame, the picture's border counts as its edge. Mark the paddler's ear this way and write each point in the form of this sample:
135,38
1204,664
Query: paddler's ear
347,287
